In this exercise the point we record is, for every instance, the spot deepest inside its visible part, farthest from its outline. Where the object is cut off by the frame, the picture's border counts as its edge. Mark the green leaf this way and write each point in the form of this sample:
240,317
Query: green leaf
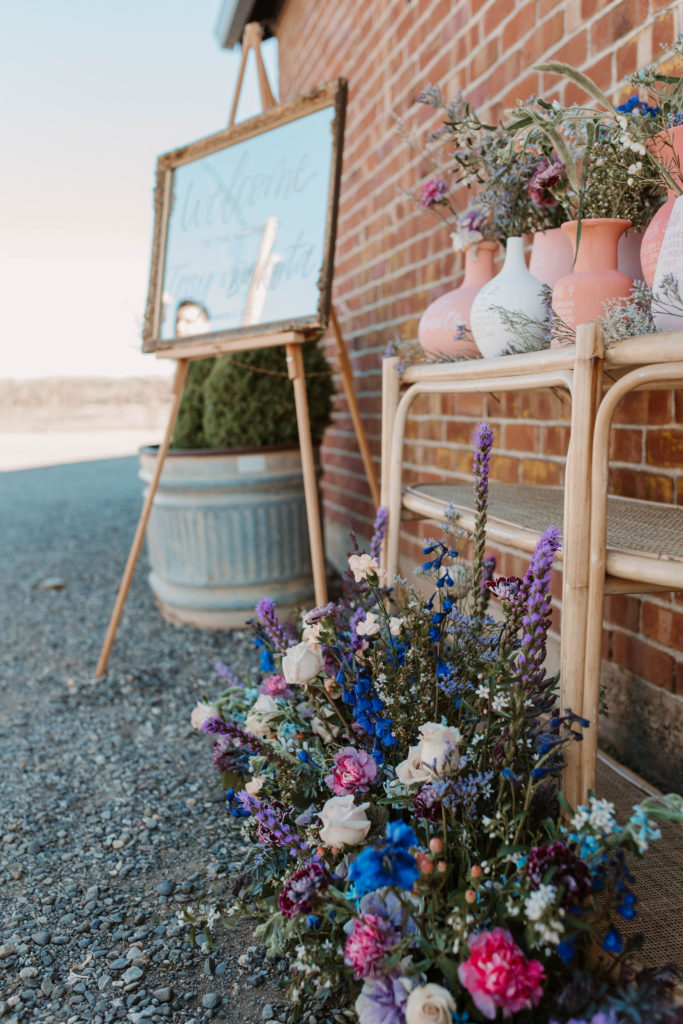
449,969
558,68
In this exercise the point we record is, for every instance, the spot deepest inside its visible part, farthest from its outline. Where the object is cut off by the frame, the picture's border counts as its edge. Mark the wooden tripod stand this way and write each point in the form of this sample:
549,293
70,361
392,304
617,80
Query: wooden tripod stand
292,341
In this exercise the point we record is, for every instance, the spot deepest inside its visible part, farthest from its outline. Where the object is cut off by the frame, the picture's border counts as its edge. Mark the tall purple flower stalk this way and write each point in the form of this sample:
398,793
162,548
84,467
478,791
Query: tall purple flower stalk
234,734
536,618
379,530
483,443
272,829
272,627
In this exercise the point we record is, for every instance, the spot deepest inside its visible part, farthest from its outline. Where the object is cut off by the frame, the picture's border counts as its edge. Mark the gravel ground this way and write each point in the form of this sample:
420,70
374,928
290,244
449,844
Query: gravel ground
108,820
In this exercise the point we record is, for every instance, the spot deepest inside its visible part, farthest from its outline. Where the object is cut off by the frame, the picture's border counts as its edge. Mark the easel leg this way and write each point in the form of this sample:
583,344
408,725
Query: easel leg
136,546
361,437
295,366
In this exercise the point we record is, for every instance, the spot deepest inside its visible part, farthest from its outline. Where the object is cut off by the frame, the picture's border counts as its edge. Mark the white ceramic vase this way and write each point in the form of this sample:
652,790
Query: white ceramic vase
669,262
513,289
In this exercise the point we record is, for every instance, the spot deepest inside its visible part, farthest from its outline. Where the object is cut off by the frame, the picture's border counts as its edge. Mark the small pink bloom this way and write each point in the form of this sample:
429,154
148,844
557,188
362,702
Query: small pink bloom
498,975
275,686
432,192
366,945
354,772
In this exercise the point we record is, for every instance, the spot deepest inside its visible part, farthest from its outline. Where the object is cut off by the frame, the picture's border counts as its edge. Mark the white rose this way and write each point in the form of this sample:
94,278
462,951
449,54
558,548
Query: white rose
254,785
435,739
344,823
201,712
301,663
311,636
369,626
261,714
412,770
429,1004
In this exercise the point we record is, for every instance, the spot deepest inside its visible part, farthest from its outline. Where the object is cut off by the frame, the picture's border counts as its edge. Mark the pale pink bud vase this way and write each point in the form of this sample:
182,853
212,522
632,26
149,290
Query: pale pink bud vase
441,321
551,256
668,146
578,297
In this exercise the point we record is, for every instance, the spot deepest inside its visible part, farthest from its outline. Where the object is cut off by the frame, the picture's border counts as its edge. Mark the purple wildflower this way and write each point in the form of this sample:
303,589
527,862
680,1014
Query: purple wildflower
214,725
427,804
433,192
226,674
379,530
234,735
272,627
472,220
536,621
272,829
356,641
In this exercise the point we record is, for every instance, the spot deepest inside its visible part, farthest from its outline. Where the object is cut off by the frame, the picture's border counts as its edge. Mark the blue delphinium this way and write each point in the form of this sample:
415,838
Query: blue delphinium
389,863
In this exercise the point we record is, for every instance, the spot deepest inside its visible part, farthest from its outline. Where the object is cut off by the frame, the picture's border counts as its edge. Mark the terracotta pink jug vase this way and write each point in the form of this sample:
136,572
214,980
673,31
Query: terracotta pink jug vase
665,145
551,256
440,322
578,297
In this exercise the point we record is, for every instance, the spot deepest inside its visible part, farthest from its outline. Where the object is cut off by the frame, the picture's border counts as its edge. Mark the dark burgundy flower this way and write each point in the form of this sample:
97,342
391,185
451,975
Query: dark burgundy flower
427,804
570,872
300,890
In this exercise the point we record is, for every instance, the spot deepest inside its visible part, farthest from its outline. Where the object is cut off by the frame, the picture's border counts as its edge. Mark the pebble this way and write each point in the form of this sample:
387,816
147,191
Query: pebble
41,938
165,888
210,1000
163,995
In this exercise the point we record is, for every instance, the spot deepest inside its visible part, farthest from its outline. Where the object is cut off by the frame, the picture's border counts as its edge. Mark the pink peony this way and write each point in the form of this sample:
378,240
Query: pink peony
275,686
354,772
366,945
497,974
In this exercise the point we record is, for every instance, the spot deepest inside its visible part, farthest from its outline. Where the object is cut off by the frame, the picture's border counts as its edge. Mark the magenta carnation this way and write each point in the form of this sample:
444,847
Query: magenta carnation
433,192
546,176
275,686
354,772
366,945
498,976
300,890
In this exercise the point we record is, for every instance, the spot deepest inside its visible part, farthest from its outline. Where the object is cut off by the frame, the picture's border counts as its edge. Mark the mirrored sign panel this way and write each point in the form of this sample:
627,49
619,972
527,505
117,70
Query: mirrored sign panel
245,226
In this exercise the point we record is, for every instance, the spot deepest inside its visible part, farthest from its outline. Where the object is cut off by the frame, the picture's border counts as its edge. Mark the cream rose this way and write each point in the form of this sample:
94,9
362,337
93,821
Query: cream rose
201,712
254,785
301,664
412,770
261,715
344,822
430,1004
435,740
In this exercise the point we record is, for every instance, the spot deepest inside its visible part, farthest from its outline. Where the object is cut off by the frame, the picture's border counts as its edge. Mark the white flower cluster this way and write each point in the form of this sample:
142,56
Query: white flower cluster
599,816
548,928
538,902
627,142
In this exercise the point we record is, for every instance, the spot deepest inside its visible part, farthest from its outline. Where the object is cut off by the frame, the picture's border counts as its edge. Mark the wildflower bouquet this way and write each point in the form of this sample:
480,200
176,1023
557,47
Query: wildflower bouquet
397,772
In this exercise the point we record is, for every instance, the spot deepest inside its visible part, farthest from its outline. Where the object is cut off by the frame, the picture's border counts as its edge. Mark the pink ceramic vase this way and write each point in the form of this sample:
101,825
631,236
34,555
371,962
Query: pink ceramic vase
578,297
665,145
439,324
629,254
551,256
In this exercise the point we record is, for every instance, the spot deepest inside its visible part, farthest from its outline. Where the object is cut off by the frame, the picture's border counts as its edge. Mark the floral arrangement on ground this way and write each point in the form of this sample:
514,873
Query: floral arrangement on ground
396,765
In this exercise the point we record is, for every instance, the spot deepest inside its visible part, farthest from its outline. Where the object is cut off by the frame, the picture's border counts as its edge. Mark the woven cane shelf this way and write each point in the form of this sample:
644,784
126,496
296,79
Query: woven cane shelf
518,514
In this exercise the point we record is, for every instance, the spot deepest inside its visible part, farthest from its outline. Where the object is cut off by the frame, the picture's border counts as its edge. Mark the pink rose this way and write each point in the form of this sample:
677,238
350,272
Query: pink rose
366,945
498,975
354,772
275,686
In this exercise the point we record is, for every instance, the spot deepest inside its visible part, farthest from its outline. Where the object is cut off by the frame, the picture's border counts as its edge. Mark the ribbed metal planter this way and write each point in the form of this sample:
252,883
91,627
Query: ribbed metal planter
227,529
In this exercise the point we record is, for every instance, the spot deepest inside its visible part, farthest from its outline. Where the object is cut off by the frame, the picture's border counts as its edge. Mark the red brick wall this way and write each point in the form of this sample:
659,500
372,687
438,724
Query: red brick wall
393,259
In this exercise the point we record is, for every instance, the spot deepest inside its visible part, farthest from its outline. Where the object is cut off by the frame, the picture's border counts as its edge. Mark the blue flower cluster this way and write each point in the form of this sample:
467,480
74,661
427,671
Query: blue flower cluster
389,863
635,103
368,709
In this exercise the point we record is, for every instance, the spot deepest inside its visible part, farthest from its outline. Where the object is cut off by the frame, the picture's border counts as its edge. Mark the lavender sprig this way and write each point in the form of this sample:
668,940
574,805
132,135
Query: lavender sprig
379,530
483,443
272,627
536,620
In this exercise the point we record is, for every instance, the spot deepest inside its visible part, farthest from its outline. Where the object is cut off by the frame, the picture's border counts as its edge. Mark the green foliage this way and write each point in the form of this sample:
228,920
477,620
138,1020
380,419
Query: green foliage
247,401
189,430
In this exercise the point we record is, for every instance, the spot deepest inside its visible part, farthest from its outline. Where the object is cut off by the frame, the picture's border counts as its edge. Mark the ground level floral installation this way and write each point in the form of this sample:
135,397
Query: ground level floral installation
396,767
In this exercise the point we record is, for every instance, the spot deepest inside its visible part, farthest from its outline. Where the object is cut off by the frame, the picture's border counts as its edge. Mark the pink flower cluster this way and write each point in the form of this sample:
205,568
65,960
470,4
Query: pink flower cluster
432,192
546,176
366,945
354,772
498,975
275,686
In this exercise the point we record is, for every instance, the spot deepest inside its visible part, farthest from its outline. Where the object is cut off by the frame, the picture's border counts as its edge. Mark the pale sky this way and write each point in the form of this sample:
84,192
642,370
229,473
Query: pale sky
92,93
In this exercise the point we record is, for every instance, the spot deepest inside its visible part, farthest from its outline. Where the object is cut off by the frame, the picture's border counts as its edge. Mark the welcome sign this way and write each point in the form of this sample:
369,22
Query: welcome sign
244,226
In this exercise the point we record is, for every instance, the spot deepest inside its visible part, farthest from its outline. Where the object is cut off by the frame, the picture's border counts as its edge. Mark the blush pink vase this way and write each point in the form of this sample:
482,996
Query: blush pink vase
578,297
665,145
441,320
551,256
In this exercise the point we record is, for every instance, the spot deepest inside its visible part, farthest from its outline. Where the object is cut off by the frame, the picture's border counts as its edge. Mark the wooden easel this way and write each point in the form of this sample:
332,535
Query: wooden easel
292,341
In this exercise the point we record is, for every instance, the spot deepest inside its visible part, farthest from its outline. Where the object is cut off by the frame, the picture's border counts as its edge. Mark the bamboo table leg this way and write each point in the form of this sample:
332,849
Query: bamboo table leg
136,546
361,437
390,396
295,366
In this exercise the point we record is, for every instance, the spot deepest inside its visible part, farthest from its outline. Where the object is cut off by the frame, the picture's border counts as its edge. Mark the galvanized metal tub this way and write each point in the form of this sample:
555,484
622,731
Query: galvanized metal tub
226,529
